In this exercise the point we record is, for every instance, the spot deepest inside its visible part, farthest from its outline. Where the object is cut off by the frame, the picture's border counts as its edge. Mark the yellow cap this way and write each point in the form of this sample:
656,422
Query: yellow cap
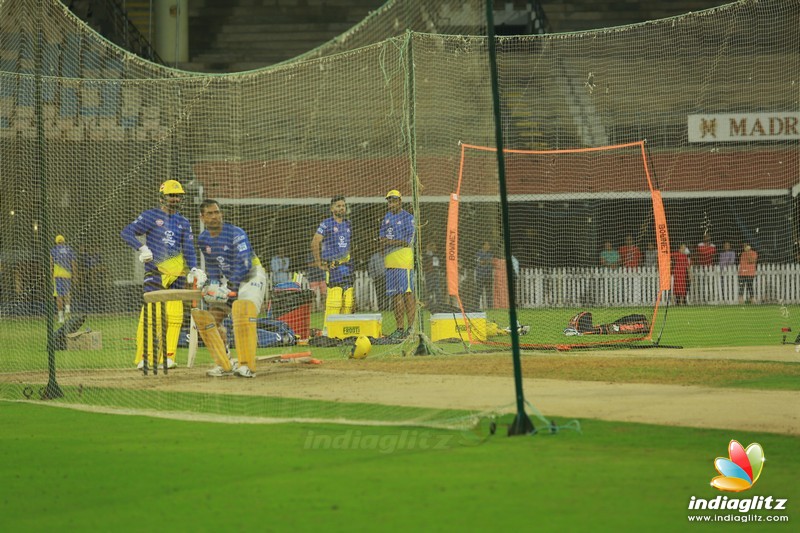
171,187
394,193
60,239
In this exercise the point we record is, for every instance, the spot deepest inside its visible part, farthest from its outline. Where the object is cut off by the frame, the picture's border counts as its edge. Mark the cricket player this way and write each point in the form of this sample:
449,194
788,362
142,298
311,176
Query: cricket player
397,239
62,266
169,260
237,285
330,247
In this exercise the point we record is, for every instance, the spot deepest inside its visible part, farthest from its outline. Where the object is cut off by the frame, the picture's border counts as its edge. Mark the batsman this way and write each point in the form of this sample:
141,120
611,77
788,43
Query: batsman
330,247
169,262
236,284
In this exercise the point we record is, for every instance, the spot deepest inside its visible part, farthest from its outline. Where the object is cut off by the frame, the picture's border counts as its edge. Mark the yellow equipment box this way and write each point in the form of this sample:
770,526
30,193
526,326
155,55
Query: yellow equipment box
343,326
454,326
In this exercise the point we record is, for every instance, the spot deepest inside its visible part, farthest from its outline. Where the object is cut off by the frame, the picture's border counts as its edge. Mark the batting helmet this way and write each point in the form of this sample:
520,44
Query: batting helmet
60,239
361,348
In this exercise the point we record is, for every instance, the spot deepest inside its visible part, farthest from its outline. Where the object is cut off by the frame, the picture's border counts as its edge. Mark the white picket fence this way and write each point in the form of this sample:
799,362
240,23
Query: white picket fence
571,287
602,287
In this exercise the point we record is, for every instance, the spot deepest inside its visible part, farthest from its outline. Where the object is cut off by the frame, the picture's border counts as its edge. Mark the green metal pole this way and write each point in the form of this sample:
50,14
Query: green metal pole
52,390
522,424
419,282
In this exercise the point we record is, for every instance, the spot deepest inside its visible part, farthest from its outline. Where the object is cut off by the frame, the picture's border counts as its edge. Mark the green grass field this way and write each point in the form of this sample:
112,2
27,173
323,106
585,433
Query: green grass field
75,470
689,327
69,470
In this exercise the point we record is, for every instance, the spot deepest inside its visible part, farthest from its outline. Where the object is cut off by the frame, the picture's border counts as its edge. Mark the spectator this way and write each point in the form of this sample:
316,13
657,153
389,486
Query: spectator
747,273
681,276
650,255
609,257
728,257
484,274
279,265
705,252
630,254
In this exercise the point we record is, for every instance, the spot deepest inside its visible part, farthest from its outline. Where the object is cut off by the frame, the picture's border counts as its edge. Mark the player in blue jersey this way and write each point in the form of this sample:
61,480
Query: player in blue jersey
397,239
330,247
237,283
62,265
169,259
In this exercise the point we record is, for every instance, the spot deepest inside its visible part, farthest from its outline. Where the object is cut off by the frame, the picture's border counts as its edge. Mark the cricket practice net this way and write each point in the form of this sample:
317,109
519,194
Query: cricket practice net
598,127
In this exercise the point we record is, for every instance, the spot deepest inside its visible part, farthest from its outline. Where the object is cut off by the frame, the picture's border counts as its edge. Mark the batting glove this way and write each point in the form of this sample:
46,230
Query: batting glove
196,278
214,293
145,254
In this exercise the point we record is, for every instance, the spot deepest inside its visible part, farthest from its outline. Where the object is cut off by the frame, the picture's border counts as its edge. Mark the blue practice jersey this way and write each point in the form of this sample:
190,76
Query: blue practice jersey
169,237
335,240
398,227
229,254
63,257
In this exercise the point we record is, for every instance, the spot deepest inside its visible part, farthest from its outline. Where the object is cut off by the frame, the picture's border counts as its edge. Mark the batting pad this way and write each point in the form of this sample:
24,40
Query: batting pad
347,306
174,311
207,328
333,303
244,332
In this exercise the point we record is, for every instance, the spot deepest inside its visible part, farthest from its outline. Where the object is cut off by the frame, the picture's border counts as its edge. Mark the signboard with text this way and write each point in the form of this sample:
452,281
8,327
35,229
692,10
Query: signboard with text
744,127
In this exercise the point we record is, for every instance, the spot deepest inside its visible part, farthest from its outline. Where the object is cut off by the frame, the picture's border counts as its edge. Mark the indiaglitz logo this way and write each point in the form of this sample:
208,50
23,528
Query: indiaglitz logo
738,472
741,469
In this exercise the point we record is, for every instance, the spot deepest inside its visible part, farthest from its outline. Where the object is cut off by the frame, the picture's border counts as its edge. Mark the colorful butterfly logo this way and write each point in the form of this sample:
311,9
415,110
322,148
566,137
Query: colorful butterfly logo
742,468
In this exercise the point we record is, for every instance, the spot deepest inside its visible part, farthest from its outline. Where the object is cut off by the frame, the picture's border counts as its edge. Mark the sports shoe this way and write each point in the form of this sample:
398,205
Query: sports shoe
397,334
243,372
234,363
217,372
140,365
171,363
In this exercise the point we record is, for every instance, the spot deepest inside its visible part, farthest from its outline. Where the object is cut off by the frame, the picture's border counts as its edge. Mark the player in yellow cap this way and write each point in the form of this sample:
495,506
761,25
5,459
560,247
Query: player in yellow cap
397,239
62,265
169,260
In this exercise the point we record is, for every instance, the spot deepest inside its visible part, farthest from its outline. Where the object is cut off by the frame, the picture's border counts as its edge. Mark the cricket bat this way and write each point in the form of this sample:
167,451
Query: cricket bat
299,357
168,295
192,334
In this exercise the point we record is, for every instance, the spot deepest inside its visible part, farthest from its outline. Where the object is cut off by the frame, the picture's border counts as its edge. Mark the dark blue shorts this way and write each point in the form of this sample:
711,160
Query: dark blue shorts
399,281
